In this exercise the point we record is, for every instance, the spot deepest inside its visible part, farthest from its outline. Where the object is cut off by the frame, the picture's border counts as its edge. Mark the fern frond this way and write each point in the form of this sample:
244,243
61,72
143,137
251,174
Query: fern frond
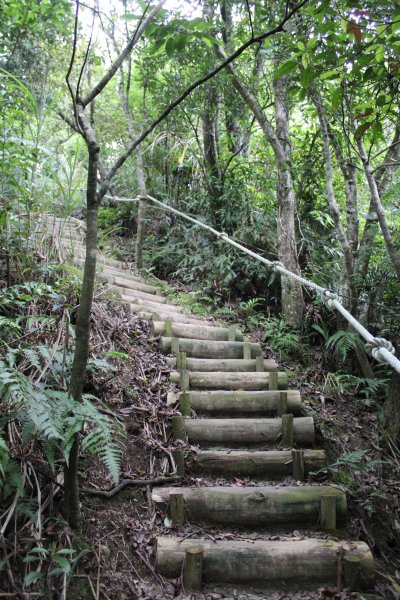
342,342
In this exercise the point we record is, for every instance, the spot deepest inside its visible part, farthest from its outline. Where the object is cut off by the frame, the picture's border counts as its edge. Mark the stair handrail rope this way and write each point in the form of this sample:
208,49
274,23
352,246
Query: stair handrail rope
382,350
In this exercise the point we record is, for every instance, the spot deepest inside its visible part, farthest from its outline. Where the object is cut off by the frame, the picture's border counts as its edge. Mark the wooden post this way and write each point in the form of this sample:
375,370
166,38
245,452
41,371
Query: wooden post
352,571
287,431
179,458
247,350
178,428
184,401
282,408
181,360
177,508
232,333
273,380
168,328
193,568
328,510
175,345
259,364
298,465
184,379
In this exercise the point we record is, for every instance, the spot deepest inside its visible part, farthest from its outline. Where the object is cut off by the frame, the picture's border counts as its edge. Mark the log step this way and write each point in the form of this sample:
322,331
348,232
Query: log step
211,349
220,364
272,464
212,380
125,283
123,273
163,313
238,402
150,303
200,332
237,432
127,293
262,506
302,564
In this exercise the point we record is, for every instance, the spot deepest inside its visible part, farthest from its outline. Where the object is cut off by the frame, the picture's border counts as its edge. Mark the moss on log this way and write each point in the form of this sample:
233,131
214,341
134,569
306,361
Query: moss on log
303,564
199,332
236,402
247,431
238,365
202,380
150,303
209,349
132,294
272,464
256,506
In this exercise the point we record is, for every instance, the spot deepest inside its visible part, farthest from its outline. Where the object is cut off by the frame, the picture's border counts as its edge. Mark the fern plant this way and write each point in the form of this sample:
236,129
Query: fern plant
283,338
342,342
53,417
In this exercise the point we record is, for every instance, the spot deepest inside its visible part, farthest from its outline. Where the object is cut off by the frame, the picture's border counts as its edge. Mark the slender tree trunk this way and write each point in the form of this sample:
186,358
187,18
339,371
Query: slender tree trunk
82,329
211,154
292,294
383,178
332,203
141,224
380,211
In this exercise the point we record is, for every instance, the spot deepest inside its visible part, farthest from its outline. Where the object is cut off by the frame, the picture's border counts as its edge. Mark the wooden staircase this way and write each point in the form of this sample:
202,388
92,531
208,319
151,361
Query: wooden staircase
244,423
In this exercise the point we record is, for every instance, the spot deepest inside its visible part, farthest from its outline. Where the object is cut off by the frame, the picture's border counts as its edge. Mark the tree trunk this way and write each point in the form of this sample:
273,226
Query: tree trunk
380,211
392,408
371,227
82,330
332,203
292,293
211,155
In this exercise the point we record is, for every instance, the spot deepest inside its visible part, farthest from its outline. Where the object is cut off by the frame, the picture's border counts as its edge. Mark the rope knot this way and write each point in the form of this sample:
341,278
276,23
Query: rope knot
275,264
375,347
330,298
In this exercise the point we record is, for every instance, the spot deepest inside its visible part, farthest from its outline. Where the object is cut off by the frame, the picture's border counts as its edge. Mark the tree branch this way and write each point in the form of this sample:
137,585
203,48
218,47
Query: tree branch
120,59
256,40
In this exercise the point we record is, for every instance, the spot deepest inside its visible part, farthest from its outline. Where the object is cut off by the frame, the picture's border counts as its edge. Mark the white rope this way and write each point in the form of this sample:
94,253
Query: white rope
381,349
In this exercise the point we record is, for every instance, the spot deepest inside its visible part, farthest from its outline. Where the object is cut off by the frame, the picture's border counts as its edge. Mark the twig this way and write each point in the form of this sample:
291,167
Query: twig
130,483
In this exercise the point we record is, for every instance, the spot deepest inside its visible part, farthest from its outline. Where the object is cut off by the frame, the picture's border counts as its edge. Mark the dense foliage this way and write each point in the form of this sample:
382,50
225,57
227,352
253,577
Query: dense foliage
293,149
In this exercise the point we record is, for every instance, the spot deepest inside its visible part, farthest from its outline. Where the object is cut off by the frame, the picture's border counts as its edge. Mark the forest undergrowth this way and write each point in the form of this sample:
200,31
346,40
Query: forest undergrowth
112,556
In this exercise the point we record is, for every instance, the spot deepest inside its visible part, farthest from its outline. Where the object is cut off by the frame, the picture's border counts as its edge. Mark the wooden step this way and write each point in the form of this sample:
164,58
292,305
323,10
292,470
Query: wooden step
211,349
163,313
198,332
150,303
238,432
270,464
256,506
220,364
216,380
239,402
134,285
298,565
132,294
124,273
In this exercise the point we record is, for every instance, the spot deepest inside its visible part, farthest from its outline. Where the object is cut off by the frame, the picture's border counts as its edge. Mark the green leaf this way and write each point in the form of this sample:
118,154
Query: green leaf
32,577
63,563
330,75
158,47
337,97
380,54
285,68
129,17
306,78
360,131
180,41
170,47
